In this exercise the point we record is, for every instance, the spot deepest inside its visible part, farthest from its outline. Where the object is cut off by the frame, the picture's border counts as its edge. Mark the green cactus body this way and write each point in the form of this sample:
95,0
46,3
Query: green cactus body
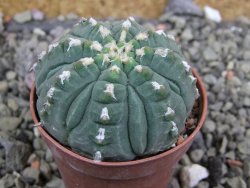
114,91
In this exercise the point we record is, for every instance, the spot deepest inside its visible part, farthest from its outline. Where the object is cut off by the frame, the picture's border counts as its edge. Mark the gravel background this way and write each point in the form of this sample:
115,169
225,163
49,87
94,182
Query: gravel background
220,154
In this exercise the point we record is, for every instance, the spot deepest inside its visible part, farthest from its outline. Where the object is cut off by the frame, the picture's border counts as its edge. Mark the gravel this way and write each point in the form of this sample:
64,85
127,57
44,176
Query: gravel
219,52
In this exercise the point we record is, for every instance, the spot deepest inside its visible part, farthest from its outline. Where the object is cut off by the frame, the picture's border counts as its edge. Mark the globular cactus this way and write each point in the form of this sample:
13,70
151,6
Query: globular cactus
114,91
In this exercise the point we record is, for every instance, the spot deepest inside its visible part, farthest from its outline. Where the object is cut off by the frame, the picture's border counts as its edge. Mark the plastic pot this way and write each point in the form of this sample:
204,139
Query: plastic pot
152,172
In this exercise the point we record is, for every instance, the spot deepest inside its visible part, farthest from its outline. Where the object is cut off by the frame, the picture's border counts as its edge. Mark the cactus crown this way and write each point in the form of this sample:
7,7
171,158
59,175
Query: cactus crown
114,91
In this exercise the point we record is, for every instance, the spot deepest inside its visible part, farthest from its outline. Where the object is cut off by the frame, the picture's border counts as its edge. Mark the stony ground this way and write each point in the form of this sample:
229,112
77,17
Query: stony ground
221,52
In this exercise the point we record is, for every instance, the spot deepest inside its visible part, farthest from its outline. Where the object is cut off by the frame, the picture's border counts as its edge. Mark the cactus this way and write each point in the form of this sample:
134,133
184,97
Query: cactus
114,91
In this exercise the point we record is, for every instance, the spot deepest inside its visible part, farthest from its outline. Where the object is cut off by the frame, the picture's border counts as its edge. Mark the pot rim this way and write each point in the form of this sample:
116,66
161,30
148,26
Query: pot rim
45,135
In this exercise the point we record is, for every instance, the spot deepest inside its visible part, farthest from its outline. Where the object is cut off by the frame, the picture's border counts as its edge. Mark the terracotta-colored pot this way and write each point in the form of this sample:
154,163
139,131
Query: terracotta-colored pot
152,172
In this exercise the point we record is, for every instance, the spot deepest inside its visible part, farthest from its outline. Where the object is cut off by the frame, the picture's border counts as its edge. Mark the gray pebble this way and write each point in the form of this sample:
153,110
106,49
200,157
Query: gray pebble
31,175
9,123
209,54
7,181
209,126
23,17
3,86
55,182
236,182
196,155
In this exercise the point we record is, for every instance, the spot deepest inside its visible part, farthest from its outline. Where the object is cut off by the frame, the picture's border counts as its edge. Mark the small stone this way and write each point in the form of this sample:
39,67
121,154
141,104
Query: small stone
230,155
244,147
17,153
246,101
202,184
196,155
12,104
187,34
174,183
71,16
37,15
3,86
11,75
7,181
55,182
185,160
223,146
209,54
215,170
31,175
39,31
212,14
9,123
209,126
45,170
236,182
1,22
193,174
246,168
23,17
39,144
246,55
48,156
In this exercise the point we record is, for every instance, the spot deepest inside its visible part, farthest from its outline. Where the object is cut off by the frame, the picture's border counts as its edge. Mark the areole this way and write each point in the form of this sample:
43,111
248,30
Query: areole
155,171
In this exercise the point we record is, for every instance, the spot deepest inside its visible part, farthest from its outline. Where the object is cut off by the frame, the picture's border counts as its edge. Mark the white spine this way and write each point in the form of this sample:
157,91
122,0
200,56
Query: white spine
52,46
98,156
141,36
169,111
126,24
92,21
50,93
161,32
186,65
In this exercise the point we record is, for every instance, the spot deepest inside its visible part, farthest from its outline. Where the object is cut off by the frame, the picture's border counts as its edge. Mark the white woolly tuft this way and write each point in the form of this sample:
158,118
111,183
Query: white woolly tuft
92,21
104,31
124,57
193,79
110,90
131,18
98,156
161,32
169,111
126,24
41,55
174,128
115,68
52,46
101,135
186,65
141,36
128,47
156,85
50,93
96,46
140,52
86,61
64,76
171,36
74,42
197,94
162,52
112,45
138,68
104,114
123,36
105,59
